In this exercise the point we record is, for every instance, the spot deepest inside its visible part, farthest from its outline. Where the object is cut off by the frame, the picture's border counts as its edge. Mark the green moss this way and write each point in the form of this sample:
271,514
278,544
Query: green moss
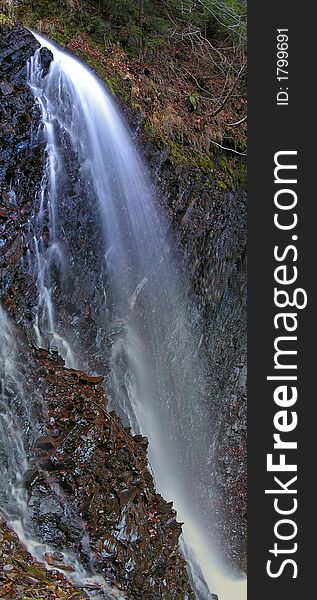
221,185
183,156
238,172
59,38
229,170
25,118
232,171
177,151
205,163
116,86
5,20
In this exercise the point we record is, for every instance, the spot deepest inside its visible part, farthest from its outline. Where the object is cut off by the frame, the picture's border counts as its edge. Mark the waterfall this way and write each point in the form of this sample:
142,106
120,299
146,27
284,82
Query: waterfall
121,266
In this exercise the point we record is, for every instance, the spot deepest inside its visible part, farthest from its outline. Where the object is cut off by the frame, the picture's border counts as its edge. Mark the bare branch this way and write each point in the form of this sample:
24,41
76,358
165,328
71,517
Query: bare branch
229,149
237,122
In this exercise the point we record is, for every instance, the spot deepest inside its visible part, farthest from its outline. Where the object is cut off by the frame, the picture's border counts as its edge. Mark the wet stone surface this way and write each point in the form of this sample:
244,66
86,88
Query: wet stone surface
23,577
91,490
22,168
210,225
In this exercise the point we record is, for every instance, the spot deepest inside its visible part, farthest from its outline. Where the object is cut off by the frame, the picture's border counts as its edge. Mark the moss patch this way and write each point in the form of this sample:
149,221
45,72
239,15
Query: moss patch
5,21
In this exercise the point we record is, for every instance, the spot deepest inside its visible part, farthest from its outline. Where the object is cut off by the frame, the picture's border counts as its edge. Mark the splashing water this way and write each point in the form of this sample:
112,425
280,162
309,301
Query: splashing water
156,373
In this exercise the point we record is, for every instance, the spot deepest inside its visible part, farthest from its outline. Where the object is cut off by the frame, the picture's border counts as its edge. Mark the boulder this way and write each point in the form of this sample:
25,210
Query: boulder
46,57
45,442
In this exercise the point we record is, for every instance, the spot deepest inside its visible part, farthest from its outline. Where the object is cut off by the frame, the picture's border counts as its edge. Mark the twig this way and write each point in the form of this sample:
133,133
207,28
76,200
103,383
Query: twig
229,149
237,122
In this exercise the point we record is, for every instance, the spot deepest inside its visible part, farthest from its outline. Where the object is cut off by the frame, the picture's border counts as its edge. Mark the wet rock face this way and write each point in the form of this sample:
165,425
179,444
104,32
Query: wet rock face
80,286
46,57
214,238
22,159
21,154
17,104
21,575
79,291
90,490
210,225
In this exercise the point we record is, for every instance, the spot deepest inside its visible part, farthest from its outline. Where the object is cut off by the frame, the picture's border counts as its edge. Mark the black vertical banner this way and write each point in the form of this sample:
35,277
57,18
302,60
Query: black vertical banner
281,249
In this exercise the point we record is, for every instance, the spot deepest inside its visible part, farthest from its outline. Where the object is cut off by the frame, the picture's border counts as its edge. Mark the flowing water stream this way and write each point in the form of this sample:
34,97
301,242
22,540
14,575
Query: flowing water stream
155,375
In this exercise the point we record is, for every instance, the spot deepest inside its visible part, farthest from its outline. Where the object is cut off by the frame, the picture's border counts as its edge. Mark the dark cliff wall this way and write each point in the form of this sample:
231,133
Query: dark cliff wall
207,210
21,157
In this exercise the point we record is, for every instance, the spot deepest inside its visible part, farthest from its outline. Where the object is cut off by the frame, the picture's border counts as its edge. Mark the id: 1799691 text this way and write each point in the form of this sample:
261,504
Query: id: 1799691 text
282,95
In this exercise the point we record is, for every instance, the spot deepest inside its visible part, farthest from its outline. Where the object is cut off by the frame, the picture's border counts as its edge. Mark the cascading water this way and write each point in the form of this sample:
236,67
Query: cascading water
156,374
49,258
14,422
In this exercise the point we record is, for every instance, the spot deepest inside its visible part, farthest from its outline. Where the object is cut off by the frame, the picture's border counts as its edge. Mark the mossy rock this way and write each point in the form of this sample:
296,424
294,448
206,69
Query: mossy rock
5,21
221,185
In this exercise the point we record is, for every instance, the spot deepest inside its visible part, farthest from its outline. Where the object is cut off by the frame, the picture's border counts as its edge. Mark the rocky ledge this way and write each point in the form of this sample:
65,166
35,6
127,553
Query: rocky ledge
90,489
